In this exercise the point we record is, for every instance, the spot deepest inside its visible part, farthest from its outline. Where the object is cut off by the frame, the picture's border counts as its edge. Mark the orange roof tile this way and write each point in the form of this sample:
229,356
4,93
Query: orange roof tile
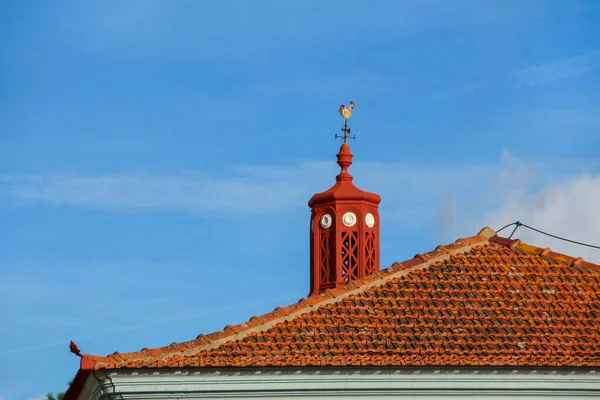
480,301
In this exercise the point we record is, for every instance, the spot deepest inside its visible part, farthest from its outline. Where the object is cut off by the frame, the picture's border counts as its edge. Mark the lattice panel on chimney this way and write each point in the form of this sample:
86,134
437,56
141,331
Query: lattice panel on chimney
349,255
327,267
370,264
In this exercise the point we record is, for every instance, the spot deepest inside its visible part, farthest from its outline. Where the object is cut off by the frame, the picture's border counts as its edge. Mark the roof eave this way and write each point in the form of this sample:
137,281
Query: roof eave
85,370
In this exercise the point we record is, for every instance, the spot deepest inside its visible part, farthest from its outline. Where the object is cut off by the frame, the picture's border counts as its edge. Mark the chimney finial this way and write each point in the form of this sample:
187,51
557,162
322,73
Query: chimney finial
346,112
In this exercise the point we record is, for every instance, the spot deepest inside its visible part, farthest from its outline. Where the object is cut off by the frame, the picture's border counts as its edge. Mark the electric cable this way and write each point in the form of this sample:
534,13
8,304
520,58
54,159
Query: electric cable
518,224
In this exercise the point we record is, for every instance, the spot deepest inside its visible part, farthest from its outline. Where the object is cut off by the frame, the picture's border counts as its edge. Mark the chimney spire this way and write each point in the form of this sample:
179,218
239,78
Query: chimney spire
344,228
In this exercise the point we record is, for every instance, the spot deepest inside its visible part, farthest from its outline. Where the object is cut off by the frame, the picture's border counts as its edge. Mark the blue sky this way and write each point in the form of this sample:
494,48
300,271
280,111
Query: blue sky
156,157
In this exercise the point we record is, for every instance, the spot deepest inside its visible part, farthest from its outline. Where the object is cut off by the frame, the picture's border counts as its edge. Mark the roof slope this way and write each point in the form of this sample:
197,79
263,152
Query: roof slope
481,301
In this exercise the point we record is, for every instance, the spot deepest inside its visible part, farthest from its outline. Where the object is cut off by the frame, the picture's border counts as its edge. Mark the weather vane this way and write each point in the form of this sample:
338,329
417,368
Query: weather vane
346,112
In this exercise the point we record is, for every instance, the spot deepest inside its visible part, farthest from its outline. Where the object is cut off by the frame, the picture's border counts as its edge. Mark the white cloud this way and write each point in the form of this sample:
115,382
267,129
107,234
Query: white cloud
569,208
549,196
560,69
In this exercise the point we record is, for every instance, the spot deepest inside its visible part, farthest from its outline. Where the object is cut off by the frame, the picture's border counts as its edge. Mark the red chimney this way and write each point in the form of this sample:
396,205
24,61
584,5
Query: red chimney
344,231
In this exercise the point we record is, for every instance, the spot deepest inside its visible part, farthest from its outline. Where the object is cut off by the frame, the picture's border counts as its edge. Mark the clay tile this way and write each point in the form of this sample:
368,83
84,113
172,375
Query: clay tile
515,244
201,337
501,240
396,266
486,232
276,312
230,329
351,285
378,274
175,346
315,299
154,352
577,261
340,290
544,252
442,249
411,263
422,257
303,302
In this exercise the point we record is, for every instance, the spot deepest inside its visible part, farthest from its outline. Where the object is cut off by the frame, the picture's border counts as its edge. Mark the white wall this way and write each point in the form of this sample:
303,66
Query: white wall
338,383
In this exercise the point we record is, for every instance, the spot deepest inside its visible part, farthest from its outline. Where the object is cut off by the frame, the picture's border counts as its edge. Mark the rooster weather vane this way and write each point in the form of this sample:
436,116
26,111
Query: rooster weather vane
346,112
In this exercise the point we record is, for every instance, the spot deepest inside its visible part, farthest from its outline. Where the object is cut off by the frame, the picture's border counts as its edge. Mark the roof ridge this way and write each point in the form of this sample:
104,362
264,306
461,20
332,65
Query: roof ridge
307,304
546,252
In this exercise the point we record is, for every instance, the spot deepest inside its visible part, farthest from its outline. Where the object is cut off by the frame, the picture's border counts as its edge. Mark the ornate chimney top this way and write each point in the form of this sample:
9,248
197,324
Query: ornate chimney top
344,237
344,188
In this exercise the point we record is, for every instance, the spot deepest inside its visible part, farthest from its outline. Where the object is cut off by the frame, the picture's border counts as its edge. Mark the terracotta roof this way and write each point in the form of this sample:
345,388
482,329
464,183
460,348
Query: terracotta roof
481,301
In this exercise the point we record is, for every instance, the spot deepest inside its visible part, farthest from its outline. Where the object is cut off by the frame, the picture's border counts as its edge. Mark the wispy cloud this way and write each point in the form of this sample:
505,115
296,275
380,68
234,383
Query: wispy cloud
242,189
272,189
559,69
194,192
